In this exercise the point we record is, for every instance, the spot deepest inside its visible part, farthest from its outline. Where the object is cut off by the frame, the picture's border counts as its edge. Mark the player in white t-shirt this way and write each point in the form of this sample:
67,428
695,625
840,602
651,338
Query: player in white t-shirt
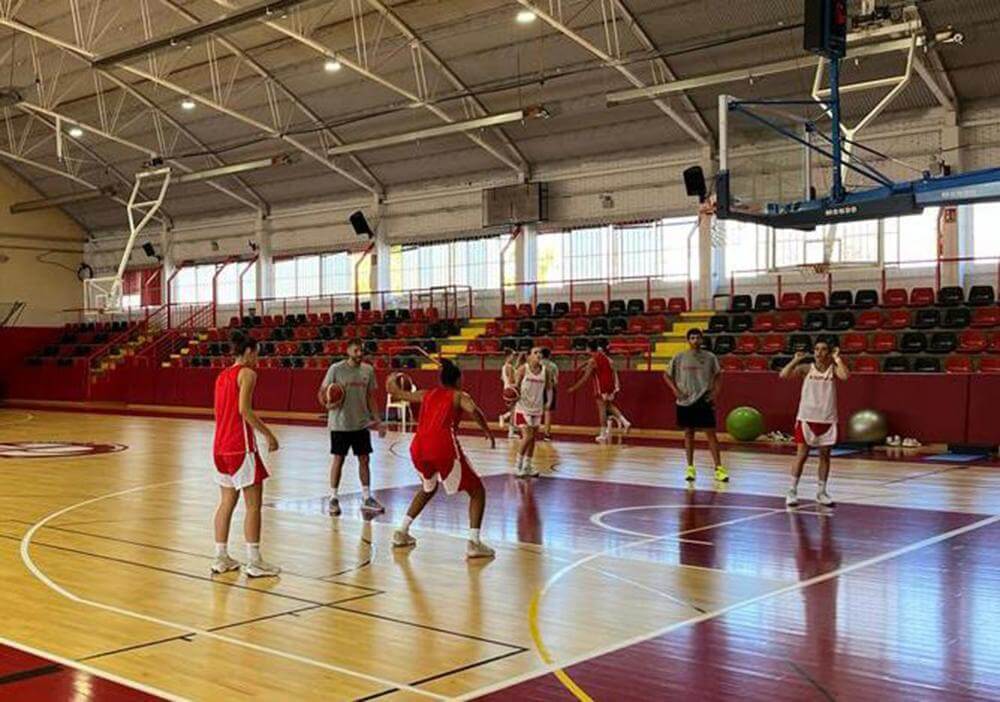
533,385
816,419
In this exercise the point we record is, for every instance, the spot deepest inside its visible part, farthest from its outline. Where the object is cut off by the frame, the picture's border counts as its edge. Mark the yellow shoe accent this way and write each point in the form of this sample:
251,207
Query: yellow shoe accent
721,474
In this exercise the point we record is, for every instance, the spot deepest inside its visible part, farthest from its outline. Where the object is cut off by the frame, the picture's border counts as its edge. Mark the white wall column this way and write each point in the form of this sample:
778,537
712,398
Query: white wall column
265,261
526,261
167,265
948,234
711,260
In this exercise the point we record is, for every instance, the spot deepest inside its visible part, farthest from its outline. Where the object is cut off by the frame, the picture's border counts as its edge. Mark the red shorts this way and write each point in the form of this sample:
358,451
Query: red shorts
240,470
527,420
456,475
819,434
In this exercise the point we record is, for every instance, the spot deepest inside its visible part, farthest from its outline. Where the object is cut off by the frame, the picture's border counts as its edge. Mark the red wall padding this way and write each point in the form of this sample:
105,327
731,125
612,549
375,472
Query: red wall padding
16,344
938,408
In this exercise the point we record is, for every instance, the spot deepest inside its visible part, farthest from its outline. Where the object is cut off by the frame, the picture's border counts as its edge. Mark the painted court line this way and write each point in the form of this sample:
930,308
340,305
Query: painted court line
569,662
77,665
41,576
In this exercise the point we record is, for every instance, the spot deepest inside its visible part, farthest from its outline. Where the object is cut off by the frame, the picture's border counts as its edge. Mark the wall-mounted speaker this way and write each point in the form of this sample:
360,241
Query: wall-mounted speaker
360,224
150,251
694,183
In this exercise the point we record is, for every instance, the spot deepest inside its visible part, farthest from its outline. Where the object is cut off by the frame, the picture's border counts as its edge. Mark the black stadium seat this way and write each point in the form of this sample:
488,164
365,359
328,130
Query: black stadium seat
943,342
543,309
616,307
815,321
981,296
718,324
560,309
635,306
957,318
779,362
580,343
799,342
741,303
740,323
896,364
543,327
526,327
723,344
599,325
866,299
842,321
617,325
927,318
764,303
913,342
927,365
950,296
840,300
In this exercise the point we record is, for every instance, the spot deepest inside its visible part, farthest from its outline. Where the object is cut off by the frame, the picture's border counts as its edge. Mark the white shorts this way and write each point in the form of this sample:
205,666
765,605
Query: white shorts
523,419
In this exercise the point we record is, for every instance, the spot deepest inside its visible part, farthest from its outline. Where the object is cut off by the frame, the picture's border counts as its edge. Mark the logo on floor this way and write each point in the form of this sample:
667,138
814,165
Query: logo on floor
54,449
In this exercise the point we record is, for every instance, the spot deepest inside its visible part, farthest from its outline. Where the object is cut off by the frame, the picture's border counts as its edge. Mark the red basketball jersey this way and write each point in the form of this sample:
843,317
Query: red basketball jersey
435,438
604,374
233,436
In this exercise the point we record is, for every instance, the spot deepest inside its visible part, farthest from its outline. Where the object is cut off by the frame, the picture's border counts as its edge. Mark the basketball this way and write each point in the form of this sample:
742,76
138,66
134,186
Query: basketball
511,395
745,423
405,382
334,395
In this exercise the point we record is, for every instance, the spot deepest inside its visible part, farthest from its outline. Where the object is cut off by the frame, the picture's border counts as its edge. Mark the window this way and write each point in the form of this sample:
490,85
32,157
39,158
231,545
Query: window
474,262
913,238
550,257
986,230
678,241
589,254
640,250
337,273
228,284
471,262
193,284
745,248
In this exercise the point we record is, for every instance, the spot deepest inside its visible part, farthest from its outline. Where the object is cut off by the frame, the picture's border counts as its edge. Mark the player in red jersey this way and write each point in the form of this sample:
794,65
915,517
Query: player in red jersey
238,465
438,457
606,388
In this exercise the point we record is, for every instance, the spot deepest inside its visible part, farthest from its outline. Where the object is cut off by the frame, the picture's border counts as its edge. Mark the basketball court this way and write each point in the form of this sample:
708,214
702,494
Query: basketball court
640,221
609,576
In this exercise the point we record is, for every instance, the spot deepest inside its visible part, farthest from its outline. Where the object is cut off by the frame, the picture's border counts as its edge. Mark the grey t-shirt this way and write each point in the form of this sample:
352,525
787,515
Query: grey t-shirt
552,368
694,373
357,381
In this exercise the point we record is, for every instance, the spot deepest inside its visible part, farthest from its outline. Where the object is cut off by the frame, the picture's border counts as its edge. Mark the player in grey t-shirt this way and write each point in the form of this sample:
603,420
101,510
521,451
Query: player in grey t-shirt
349,422
695,378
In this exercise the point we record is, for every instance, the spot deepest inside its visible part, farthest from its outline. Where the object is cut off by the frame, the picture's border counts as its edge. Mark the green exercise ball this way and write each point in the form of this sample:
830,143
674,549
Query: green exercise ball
867,426
745,423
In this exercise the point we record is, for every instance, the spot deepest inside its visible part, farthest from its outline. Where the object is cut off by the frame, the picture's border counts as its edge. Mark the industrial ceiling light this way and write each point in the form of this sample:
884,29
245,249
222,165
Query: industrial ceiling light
526,17
187,104
75,132
331,66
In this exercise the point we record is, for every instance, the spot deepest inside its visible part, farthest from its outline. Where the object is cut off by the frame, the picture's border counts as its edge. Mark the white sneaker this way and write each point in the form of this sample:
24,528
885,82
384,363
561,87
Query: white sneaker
511,432
527,472
373,506
823,498
894,441
260,569
477,549
911,443
792,498
601,438
402,539
626,426
224,564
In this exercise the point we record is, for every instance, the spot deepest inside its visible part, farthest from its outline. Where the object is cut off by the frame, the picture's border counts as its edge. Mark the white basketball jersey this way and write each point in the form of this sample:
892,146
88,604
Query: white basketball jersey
819,396
507,375
532,392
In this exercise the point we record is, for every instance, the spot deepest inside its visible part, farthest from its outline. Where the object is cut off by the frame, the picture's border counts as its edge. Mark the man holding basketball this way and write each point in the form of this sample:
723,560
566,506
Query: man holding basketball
349,422
239,468
439,458
606,388
533,384
695,378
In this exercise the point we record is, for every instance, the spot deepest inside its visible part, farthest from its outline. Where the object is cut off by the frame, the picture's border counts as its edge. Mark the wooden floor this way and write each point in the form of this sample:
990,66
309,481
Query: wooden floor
612,581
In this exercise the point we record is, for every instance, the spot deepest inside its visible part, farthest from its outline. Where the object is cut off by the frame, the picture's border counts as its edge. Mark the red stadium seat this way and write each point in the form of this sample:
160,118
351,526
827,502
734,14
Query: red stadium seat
763,323
509,311
492,329
577,308
508,327
544,342
234,322
866,364
491,345
757,363
563,344
324,318
896,319
313,319
852,343
971,341
418,315
268,320
788,322
882,343
773,343
366,316
474,346
985,317
815,300
563,327
790,301
895,297
677,305
636,325
581,326
868,320
747,343
994,344
731,363
656,325
989,364
958,364
523,310
596,308
921,297
657,305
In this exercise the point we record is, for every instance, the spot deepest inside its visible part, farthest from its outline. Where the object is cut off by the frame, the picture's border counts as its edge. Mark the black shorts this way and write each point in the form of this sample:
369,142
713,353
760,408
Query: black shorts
360,442
700,415
551,395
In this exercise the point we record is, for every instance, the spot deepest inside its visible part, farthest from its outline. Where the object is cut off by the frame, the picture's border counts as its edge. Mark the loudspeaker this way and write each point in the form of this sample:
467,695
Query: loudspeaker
825,28
150,251
694,182
360,224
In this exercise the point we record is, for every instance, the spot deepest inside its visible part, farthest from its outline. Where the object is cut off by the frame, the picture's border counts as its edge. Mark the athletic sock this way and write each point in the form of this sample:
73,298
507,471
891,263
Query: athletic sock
795,484
405,526
821,486
221,550
253,552
333,493
474,535
520,461
366,492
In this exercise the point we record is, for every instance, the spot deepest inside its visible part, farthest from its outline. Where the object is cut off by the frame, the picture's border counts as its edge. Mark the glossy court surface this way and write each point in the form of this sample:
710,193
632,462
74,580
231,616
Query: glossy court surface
612,581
